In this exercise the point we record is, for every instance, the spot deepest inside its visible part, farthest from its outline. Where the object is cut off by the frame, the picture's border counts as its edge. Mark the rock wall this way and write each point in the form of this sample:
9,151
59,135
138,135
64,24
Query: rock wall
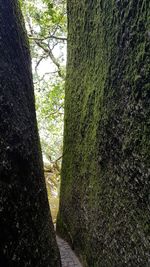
26,232
105,201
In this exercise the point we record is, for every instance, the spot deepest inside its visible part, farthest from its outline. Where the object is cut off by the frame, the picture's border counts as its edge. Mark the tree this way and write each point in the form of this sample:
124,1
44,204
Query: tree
46,26
27,236
104,203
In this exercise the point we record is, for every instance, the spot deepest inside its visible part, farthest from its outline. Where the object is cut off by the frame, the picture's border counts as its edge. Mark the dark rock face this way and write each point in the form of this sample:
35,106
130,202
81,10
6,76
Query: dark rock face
105,201
26,232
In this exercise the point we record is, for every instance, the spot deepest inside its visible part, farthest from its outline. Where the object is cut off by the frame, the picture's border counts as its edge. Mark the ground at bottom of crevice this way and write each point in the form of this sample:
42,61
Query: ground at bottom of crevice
68,257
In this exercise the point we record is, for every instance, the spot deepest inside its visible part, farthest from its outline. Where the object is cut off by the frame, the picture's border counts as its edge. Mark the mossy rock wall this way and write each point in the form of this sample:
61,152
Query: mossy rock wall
105,189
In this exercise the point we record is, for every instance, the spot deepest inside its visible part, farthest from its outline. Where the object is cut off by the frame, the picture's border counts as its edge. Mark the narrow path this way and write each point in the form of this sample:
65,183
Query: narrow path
68,258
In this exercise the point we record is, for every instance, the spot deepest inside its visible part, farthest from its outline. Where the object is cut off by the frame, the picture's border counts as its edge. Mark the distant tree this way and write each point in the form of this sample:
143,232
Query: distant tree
46,27
26,232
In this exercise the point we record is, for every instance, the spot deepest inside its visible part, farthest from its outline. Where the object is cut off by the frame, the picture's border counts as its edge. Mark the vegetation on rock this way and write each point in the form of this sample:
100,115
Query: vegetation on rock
104,206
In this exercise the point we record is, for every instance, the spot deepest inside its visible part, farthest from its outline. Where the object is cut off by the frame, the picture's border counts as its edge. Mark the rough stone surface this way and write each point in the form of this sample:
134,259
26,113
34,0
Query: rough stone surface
105,190
68,257
26,232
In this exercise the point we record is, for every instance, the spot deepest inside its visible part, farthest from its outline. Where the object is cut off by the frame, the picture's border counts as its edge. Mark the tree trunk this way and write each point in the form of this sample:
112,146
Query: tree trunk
26,232
104,207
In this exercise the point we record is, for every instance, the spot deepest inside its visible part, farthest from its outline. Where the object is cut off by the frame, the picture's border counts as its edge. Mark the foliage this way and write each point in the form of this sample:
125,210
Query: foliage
46,25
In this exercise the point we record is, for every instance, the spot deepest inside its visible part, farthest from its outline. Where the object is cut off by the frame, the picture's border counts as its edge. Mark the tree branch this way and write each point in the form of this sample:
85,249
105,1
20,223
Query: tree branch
48,51
47,37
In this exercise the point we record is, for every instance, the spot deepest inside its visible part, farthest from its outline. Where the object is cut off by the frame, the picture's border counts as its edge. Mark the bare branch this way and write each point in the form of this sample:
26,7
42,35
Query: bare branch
52,57
60,38
39,61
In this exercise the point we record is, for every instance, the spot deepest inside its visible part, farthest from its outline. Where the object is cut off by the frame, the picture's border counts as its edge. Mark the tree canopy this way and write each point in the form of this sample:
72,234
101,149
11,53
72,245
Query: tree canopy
46,26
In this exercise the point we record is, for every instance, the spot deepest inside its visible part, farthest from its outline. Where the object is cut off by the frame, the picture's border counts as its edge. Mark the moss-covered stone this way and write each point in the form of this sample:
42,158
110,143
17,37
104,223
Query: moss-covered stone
105,201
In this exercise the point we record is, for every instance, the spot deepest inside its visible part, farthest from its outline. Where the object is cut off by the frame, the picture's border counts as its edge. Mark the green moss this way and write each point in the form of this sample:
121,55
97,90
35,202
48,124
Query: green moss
104,191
